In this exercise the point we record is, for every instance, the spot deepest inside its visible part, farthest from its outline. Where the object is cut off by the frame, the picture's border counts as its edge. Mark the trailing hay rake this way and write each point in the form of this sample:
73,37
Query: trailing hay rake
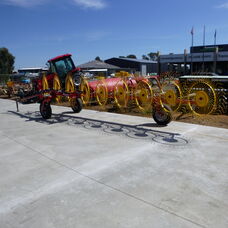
149,94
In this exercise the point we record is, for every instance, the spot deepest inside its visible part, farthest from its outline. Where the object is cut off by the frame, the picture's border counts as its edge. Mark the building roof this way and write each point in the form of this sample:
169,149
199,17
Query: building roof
98,65
205,76
32,68
135,60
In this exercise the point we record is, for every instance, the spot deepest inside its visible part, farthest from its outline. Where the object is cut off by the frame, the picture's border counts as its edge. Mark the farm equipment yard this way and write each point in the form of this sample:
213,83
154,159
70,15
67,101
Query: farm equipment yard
113,114
99,169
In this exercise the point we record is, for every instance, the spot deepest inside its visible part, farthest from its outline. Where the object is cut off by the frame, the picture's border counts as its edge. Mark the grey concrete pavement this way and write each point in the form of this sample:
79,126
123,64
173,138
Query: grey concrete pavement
97,169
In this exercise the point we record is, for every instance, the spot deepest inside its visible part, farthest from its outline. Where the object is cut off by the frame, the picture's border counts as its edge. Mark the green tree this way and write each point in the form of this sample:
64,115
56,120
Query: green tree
153,56
98,58
132,56
6,61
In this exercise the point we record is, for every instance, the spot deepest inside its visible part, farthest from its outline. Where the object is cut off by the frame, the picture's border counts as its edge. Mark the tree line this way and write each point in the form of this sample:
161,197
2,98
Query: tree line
6,61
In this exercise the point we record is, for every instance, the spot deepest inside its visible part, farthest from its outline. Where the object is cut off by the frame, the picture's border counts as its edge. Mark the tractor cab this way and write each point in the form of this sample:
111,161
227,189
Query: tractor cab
62,66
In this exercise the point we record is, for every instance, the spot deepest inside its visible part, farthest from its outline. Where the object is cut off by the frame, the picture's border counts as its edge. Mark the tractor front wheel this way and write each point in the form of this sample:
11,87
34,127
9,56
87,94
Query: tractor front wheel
45,109
76,105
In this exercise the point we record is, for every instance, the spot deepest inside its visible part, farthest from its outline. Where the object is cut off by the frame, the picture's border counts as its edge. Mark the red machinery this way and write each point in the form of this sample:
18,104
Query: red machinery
125,92
62,80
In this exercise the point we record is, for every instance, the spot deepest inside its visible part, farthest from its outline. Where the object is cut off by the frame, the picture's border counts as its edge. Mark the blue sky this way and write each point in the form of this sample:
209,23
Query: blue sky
36,30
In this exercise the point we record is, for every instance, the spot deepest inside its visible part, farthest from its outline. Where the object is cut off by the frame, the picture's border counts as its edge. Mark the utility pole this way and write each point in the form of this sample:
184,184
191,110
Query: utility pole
185,61
203,46
192,33
158,63
215,59
215,53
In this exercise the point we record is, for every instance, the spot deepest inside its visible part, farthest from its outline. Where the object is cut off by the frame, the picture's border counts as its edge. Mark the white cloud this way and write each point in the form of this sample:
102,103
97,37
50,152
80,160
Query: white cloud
223,6
24,3
96,4
93,4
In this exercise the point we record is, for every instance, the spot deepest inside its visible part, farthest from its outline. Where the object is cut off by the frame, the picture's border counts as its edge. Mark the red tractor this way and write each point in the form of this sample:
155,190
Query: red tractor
62,80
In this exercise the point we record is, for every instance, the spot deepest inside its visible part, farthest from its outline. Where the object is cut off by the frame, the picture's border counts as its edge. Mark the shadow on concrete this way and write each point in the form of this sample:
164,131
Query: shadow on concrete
130,131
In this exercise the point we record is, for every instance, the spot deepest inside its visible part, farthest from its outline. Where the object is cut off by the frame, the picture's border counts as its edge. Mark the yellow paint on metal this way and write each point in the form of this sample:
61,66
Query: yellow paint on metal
101,93
121,94
45,82
170,97
201,98
143,96
69,84
57,87
10,84
84,87
122,74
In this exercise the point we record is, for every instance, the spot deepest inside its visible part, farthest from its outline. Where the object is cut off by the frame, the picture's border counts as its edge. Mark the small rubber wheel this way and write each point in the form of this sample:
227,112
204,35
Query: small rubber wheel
45,110
161,116
76,105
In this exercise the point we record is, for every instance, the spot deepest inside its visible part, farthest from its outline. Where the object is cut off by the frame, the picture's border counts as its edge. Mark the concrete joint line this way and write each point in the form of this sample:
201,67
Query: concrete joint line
109,186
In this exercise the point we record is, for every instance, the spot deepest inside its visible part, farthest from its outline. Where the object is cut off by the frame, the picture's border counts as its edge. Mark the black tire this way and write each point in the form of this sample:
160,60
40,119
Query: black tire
76,105
45,110
161,116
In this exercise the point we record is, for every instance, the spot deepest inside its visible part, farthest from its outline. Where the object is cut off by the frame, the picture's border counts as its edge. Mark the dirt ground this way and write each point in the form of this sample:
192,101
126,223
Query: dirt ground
207,120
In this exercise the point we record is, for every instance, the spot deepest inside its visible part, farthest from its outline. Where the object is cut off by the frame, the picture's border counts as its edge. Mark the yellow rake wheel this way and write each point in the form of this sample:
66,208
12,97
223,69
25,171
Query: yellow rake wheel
171,95
202,98
143,96
121,94
101,93
69,86
84,87
57,87
45,85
